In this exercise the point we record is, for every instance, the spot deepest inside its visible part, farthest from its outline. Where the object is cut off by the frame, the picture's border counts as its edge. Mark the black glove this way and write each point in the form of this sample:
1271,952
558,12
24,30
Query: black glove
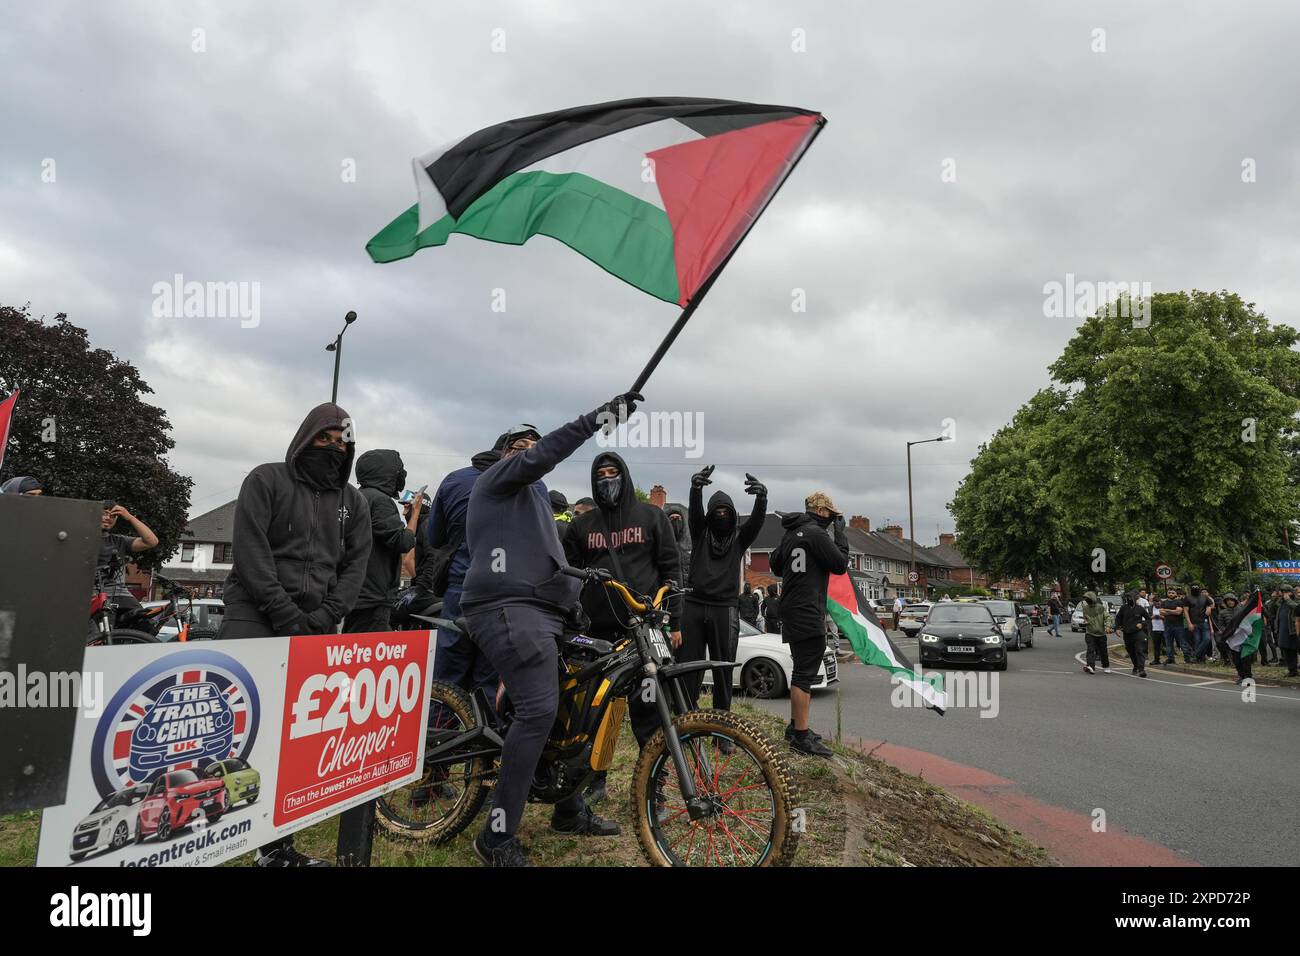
701,478
322,621
754,487
618,408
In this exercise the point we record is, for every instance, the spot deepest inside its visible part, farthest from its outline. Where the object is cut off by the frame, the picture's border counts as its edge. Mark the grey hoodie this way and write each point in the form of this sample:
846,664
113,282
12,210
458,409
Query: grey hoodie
298,551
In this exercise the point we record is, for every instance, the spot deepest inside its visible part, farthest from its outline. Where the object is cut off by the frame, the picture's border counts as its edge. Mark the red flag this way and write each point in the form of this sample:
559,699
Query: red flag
6,416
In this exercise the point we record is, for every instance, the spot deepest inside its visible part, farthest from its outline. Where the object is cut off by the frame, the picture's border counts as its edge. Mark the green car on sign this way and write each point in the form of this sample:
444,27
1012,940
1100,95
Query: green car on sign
242,781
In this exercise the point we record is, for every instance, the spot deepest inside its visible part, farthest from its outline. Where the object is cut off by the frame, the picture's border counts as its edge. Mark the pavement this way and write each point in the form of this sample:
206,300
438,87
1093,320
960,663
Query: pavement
1103,769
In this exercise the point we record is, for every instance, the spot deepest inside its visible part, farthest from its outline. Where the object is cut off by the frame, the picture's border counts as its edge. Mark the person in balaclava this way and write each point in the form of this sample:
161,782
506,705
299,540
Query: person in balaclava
814,546
22,485
678,518
382,476
1096,624
300,546
634,541
1134,622
710,621
1227,610
517,598
772,609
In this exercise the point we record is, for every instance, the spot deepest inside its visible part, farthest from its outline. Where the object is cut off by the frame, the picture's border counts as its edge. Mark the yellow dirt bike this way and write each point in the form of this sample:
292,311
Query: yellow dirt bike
709,788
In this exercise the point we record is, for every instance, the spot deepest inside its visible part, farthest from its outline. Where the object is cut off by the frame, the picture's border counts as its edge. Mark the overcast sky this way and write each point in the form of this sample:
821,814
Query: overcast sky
924,297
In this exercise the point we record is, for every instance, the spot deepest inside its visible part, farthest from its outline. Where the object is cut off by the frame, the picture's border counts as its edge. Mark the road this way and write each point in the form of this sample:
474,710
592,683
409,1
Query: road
1175,760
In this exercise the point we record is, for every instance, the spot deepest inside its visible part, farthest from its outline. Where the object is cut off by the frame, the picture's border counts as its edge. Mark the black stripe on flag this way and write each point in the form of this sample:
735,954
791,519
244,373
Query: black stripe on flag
483,159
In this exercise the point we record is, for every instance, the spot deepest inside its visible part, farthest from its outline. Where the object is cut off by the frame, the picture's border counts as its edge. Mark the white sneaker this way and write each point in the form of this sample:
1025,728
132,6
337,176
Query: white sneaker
1105,670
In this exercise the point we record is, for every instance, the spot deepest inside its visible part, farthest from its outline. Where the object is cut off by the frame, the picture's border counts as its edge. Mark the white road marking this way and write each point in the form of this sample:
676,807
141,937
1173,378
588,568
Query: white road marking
1234,690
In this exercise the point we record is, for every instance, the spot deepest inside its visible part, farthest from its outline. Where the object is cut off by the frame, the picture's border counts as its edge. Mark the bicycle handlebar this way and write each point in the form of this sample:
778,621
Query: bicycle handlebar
638,604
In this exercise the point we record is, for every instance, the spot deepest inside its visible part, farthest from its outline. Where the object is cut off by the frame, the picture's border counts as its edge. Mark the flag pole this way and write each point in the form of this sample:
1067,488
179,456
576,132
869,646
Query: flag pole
696,299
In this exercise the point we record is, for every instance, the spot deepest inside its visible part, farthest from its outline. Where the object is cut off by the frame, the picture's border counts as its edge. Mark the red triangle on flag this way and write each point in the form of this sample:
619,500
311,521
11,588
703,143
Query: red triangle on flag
714,188
6,417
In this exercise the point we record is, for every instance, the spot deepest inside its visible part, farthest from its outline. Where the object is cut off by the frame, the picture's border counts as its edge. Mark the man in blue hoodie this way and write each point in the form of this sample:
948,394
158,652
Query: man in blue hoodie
515,601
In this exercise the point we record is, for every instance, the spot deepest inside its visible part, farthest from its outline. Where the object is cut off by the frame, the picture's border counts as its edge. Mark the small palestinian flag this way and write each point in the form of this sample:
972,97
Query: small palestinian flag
1246,629
6,419
657,191
854,617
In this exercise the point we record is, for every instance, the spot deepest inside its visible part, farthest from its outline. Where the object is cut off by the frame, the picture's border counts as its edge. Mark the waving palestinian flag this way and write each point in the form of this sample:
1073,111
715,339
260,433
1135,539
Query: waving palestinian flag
853,615
1246,629
6,419
657,191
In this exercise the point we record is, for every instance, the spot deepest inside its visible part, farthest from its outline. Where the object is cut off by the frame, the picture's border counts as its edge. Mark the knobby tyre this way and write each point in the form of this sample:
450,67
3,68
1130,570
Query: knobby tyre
754,797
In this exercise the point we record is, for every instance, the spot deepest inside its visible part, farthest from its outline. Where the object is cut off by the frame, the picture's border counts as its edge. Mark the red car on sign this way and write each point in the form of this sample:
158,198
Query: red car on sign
178,799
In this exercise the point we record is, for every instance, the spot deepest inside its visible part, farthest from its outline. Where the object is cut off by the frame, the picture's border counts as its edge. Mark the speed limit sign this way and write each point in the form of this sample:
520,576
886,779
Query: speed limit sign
913,576
1164,572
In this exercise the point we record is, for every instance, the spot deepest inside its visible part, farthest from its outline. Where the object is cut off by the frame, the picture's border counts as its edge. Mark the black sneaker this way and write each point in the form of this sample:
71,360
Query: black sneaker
286,856
810,746
584,823
595,793
509,853
1142,673
789,732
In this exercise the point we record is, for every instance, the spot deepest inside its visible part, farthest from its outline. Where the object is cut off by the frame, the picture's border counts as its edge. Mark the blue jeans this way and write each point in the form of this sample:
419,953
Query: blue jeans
1056,625
458,660
1201,640
1177,636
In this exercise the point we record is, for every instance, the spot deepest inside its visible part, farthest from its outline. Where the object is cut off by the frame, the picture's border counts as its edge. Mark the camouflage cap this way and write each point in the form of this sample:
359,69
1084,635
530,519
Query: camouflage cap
819,499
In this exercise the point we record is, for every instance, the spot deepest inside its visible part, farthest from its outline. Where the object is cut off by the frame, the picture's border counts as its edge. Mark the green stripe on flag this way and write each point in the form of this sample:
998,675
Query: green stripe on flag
624,235
876,652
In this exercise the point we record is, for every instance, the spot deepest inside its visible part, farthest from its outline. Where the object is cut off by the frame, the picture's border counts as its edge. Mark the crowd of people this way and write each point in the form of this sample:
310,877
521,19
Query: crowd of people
313,553
1194,624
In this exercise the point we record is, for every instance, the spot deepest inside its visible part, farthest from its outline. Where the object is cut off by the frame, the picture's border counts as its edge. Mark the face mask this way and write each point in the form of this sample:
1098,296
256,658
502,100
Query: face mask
721,526
609,490
321,466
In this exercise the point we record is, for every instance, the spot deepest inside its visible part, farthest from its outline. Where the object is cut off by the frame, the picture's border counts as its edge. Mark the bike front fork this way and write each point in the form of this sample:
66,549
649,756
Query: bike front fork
697,807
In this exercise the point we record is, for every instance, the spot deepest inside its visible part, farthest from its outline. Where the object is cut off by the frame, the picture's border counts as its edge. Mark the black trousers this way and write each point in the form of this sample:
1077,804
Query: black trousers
366,620
1097,649
714,628
1241,663
1292,658
520,641
1136,645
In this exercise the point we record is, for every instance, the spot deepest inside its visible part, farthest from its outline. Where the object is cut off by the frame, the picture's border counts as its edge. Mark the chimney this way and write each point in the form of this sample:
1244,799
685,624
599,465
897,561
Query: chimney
947,539
895,529
859,522
658,496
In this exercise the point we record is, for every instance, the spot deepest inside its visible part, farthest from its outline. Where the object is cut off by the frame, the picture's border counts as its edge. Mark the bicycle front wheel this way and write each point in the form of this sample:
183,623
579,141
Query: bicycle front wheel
752,818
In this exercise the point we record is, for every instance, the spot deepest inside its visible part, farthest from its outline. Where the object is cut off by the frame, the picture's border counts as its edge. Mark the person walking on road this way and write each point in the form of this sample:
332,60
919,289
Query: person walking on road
1095,628
1269,643
1288,630
1134,621
1054,609
1228,607
899,604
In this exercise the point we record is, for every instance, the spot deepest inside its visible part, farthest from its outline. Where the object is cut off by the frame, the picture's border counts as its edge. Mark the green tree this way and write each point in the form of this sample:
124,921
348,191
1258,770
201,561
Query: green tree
1169,440
82,427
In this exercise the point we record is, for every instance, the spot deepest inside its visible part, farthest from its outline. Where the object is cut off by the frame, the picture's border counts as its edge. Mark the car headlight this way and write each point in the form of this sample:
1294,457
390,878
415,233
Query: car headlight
993,639
1008,627
929,639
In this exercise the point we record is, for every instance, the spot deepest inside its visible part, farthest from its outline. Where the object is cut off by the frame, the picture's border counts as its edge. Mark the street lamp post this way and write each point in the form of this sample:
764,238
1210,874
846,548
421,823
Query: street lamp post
911,526
337,348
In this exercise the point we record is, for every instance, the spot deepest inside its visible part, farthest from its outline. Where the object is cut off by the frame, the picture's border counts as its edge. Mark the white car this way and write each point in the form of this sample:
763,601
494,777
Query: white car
111,825
1076,620
913,618
204,616
764,665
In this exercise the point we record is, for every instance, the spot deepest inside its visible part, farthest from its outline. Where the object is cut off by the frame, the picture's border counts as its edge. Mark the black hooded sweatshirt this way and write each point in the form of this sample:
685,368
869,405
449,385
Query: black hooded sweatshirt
298,549
381,475
803,581
683,537
715,563
647,550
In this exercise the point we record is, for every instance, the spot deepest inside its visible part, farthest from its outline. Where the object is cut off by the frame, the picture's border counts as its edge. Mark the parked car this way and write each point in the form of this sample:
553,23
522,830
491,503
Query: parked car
1076,620
913,616
242,781
176,800
1017,630
203,614
957,633
111,825
764,665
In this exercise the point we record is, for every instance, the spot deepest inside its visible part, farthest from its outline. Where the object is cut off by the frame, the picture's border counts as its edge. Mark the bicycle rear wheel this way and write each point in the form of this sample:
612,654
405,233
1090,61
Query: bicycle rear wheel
447,798
753,820
122,635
